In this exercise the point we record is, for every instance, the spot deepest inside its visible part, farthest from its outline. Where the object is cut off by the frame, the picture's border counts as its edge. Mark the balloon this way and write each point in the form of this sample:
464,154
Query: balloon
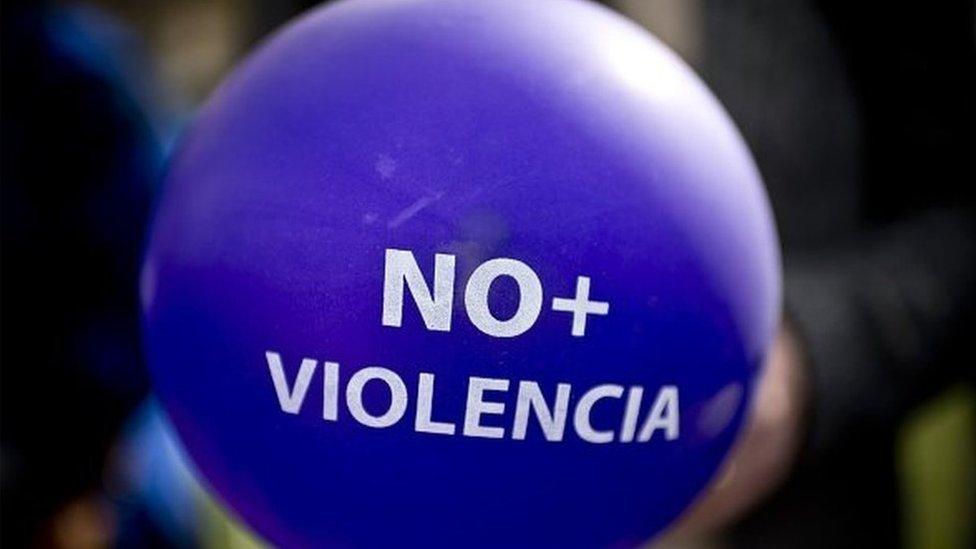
460,273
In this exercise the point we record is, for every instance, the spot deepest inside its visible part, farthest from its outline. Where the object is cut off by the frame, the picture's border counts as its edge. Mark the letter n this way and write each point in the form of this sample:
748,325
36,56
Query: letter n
435,309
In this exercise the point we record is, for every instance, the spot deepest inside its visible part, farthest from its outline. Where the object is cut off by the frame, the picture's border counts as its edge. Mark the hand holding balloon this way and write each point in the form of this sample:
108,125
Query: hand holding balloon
767,451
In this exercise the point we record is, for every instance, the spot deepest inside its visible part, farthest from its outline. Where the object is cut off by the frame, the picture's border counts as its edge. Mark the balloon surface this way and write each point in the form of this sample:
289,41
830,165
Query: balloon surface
460,273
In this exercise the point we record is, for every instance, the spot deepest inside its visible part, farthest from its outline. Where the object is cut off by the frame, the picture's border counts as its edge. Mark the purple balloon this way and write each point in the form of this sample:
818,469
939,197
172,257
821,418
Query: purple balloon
460,273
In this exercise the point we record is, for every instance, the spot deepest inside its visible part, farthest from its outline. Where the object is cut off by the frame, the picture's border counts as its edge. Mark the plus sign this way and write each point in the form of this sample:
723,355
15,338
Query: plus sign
580,306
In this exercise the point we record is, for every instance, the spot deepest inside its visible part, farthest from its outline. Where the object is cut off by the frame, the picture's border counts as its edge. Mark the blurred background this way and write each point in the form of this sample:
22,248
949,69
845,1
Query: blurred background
850,111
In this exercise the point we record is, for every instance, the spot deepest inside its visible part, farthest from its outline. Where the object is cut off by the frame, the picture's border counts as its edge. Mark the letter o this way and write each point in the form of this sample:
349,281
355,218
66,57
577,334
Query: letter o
476,297
398,397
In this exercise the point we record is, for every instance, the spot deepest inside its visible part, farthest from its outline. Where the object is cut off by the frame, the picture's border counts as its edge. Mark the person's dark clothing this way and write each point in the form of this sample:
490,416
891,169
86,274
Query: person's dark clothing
78,164
861,118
